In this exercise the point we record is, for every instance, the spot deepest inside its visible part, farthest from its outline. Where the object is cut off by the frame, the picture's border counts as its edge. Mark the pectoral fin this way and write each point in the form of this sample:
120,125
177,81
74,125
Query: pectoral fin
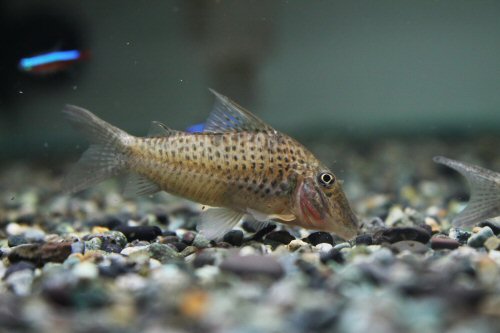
215,222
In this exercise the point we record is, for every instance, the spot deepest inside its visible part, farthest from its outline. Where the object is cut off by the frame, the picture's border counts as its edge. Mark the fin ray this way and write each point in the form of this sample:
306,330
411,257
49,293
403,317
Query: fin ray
160,129
484,185
97,163
106,156
215,222
228,116
139,185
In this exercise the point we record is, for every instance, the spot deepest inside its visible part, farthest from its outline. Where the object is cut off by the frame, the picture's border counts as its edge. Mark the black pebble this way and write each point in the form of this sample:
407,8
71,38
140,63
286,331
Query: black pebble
147,233
364,240
168,233
319,237
26,219
16,240
281,237
333,254
170,239
393,235
19,266
188,238
234,237
178,246
110,222
262,232
162,218
248,227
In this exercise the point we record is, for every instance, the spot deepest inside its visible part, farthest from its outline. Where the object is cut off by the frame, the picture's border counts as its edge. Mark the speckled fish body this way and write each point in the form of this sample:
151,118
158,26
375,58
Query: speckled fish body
238,164
484,202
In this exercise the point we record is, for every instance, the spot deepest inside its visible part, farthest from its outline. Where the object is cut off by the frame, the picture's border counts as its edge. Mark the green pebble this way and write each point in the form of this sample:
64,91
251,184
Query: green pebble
93,244
478,239
163,253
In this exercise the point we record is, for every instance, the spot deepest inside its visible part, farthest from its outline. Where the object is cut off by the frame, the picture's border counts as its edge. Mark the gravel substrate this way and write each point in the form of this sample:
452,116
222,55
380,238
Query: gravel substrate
98,262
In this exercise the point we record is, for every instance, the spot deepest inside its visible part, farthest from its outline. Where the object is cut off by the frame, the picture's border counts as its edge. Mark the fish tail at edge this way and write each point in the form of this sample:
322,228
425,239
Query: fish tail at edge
107,155
484,200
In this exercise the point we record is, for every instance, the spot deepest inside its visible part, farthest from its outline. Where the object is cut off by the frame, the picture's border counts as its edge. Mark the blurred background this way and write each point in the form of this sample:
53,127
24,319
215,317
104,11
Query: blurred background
342,70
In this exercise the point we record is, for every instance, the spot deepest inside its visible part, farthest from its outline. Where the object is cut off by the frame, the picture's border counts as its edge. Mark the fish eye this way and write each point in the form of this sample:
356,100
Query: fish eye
326,179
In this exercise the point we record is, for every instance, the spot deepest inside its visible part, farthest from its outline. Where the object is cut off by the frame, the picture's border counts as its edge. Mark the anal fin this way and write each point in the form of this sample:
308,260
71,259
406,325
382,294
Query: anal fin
139,185
215,222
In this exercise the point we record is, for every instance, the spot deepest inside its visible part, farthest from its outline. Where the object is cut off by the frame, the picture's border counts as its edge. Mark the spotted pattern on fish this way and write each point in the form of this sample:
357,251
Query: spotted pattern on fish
239,164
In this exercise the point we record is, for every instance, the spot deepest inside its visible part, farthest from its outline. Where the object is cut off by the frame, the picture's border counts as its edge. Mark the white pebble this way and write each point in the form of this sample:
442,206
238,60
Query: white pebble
86,270
324,247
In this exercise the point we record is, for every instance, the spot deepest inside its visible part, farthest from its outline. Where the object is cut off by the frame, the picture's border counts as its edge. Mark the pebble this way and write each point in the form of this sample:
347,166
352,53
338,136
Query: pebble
442,243
478,239
86,270
459,235
433,224
393,235
93,244
178,246
20,282
147,233
409,245
280,237
332,255
163,253
203,258
200,242
318,237
16,240
110,246
324,247
19,266
78,247
297,244
492,243
364,240
111,236
234,237
134,249
252,266
39,254
188,237
495,226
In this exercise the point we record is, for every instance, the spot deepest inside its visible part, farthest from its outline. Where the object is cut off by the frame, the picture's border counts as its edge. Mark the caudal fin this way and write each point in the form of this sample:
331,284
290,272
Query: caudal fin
106,157
484,199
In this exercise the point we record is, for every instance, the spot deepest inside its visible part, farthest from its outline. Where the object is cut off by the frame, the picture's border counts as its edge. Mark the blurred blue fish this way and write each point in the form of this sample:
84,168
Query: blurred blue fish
196,128
52,62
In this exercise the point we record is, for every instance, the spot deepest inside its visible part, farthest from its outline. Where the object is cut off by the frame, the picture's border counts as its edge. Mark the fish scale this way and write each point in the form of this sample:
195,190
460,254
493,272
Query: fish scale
239,165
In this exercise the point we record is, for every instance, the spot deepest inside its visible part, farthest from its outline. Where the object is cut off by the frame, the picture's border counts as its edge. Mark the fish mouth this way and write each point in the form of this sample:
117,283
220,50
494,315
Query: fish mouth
316,211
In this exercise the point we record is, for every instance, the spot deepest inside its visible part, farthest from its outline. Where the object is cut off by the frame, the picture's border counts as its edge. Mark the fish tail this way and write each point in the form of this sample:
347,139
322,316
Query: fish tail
484,199
107,155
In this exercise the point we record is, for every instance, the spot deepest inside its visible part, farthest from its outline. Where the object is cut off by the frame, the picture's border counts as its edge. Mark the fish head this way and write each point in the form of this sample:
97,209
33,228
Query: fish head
321,204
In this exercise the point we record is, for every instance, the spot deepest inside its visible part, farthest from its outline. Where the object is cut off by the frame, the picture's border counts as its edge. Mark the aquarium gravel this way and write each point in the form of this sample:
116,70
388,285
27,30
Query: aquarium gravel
100,262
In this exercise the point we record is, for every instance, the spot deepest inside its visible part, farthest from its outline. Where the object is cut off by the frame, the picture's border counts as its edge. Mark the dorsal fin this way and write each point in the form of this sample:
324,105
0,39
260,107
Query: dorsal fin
159,129
227,116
